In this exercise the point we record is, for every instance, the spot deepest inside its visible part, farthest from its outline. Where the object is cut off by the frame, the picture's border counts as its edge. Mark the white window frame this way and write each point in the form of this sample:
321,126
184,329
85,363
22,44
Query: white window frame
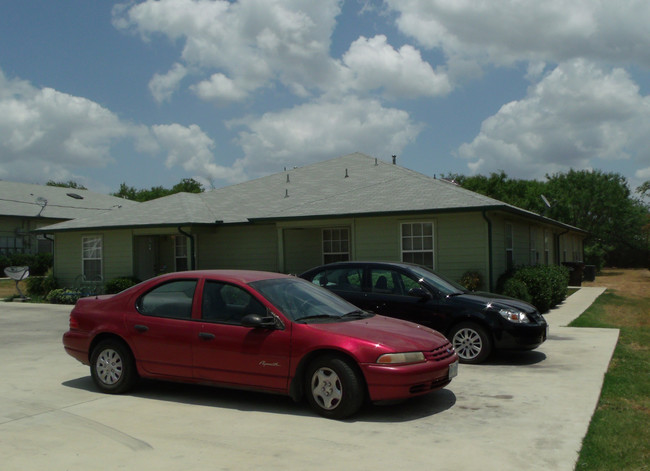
180,252
335,244
417,242
96,254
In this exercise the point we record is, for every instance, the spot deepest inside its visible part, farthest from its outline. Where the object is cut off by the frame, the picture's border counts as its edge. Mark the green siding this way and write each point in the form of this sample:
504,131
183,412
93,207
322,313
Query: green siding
302,249
251,247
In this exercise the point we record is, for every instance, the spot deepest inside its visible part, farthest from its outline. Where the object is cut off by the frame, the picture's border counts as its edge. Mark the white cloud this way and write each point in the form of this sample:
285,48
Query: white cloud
503,32
402,73
321,130
163,86
253,42
577,116
46,134
190,148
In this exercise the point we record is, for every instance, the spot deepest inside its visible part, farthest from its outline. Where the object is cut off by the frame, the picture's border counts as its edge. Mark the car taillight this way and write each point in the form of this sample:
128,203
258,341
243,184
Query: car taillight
74,323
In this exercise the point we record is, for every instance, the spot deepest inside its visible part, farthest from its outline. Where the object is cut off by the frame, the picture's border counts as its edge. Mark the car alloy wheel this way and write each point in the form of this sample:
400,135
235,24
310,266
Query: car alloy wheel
112,367
471,342
334,388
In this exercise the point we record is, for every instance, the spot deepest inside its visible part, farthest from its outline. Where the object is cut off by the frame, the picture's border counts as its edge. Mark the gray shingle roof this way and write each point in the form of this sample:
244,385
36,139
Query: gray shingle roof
354,184
26,200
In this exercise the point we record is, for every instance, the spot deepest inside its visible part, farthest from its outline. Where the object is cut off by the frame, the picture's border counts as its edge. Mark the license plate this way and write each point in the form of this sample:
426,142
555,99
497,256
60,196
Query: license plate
453,370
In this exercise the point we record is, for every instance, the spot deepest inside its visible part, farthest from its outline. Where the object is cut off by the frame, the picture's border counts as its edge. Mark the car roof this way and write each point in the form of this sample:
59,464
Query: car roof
365,263
241,276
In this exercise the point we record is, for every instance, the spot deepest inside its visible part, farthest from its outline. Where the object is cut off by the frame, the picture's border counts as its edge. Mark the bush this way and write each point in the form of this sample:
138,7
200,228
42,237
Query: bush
41,285
119,284
63,296
472,280
546,284
516,289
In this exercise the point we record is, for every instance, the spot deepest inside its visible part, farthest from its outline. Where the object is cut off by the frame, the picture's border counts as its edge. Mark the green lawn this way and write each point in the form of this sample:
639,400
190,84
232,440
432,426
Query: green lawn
619,434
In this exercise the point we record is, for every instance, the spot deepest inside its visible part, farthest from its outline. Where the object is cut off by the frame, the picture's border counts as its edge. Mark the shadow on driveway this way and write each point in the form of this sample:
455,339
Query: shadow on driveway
208,396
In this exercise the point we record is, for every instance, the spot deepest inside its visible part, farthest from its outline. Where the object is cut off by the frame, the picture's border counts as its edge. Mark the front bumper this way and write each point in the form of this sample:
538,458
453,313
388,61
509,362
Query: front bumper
390,382
521,336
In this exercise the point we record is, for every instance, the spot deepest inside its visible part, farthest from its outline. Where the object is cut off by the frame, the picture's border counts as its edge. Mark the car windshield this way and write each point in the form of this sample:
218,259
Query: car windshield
445,286
302,301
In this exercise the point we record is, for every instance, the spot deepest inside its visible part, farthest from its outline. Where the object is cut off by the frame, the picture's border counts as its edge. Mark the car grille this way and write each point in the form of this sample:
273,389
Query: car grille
437,384
440,353
536,317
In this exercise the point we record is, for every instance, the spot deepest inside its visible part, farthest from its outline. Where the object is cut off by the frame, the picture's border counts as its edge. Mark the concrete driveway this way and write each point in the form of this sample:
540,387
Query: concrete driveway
525,411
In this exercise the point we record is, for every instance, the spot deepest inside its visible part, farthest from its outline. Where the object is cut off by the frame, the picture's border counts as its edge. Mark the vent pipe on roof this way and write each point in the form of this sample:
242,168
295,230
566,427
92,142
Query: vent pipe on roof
394,160
346,173
286,193
288,178
376,163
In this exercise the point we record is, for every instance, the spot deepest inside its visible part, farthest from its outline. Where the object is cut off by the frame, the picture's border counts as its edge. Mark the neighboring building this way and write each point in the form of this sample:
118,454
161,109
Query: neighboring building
25,207
353,207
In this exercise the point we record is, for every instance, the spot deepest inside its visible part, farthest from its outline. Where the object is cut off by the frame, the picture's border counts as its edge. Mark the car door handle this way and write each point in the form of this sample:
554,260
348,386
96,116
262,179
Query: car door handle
206,336
141,328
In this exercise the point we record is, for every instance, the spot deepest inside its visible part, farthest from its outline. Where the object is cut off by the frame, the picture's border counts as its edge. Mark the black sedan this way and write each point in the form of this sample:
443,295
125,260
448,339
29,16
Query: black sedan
476,323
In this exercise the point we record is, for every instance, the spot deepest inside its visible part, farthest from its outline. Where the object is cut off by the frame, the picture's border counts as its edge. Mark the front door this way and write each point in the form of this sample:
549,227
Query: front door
226,352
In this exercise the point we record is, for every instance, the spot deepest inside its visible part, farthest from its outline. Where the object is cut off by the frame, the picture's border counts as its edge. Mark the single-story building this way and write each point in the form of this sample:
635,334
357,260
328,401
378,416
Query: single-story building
353,207
26,207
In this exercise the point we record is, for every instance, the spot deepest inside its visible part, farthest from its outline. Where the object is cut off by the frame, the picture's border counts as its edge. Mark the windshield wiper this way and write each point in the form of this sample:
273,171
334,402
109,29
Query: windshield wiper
358,314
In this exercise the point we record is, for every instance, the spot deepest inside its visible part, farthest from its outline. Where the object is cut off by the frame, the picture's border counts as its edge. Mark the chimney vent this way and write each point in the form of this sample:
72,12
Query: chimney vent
286,193
394,160
346,173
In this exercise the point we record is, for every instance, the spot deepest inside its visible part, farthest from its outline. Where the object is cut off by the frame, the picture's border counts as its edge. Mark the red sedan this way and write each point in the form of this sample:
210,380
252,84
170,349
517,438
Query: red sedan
256,330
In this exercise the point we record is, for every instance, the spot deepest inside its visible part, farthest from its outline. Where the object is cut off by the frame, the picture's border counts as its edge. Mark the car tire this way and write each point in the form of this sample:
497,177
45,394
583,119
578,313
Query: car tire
471,342
334,388
112,367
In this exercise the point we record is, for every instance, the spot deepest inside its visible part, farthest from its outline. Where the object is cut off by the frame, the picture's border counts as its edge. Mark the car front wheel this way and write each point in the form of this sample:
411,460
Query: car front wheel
112,367
334,388
471,342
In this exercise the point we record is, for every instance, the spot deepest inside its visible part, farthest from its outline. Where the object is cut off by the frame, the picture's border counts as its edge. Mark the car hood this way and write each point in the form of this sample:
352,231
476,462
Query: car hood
482,299
401,336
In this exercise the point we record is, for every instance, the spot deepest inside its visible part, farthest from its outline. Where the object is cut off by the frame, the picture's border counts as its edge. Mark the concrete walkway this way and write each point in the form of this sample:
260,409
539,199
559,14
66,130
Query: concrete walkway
520,411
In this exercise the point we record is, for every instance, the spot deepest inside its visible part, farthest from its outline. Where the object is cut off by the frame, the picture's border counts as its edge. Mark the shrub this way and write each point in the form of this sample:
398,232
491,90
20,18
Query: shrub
546,284
472,280
516,289
41,285
63,296
119,284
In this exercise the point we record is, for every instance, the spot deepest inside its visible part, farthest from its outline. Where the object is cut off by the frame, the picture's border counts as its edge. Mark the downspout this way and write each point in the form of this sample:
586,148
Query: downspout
489,227
192,249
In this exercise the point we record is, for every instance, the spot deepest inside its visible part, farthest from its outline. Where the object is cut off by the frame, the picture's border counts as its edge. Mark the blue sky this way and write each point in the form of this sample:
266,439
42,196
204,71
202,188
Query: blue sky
149,92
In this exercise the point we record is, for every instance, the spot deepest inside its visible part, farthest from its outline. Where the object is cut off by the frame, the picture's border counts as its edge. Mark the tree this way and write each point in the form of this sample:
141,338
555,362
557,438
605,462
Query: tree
68,184
187,185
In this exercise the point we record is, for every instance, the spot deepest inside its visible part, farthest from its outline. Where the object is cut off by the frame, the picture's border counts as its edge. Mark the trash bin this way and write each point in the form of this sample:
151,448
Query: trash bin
589,273
575,272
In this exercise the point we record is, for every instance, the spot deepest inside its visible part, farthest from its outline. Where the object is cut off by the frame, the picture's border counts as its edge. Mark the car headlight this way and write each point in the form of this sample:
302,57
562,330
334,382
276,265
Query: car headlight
513,315
400,358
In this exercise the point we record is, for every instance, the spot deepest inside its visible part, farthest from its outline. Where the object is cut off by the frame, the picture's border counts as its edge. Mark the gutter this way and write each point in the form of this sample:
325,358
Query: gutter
490,263
192,247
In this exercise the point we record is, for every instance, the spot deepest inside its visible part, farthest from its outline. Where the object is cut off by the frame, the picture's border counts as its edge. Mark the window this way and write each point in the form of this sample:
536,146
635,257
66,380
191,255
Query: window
391,282
173,299
336,245
91,258
417,243
342,279
510,259
228,303
10,245
180,253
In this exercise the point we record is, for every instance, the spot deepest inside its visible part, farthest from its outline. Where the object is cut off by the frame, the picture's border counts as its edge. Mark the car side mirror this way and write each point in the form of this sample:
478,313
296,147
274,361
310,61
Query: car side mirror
419,293
258,322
